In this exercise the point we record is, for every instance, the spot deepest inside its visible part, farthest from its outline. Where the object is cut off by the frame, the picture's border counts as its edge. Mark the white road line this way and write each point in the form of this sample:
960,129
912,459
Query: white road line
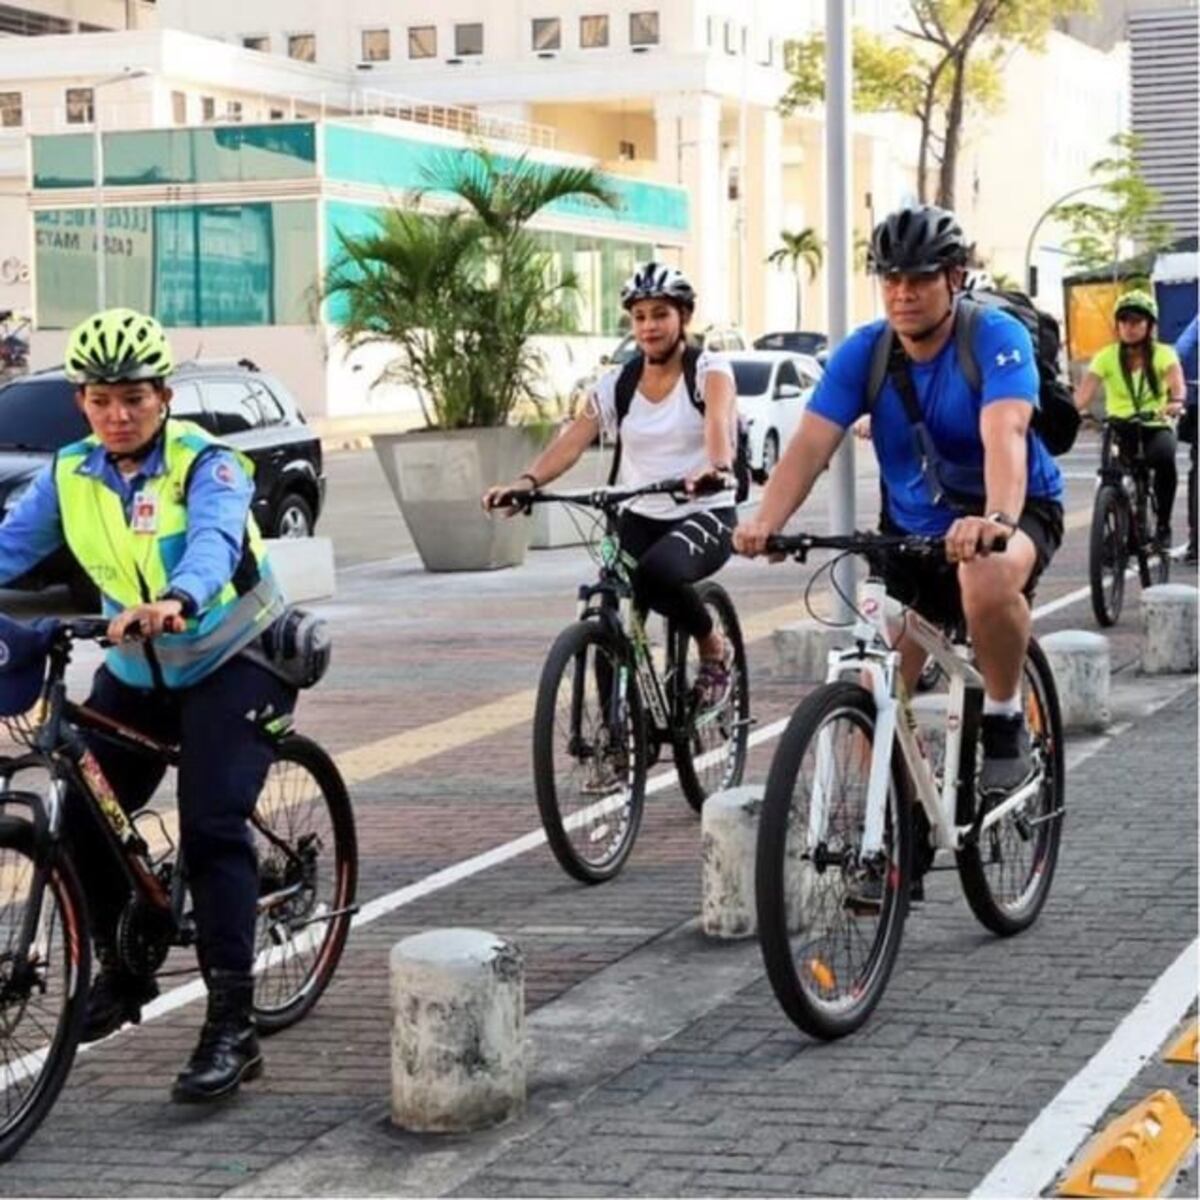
1043,1149
1066,601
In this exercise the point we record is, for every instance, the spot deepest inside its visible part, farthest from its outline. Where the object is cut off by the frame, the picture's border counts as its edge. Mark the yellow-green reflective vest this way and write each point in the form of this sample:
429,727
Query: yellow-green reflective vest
131,567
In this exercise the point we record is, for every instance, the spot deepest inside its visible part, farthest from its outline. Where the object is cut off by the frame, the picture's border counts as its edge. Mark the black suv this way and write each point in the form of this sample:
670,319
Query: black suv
243,406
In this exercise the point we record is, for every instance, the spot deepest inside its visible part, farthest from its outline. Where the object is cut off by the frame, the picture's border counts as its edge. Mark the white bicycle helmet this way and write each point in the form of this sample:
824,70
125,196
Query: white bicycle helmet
657,281
976,280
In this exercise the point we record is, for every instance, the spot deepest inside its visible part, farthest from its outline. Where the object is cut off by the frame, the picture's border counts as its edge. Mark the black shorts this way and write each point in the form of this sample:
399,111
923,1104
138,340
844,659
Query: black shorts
932,587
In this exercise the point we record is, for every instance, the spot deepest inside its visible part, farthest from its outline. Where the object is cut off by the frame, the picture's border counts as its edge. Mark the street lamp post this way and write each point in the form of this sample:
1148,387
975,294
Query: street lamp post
98,167
1029,286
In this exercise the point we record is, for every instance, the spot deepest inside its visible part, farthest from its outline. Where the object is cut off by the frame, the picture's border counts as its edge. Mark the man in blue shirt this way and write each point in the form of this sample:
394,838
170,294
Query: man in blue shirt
1186,349
991,477
158,516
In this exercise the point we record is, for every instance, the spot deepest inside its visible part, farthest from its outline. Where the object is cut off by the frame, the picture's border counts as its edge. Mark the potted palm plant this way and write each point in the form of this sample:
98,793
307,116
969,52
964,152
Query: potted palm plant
459,286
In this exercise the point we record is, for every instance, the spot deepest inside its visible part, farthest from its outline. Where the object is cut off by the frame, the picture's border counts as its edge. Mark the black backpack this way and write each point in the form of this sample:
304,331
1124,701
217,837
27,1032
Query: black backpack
627,382
1056,420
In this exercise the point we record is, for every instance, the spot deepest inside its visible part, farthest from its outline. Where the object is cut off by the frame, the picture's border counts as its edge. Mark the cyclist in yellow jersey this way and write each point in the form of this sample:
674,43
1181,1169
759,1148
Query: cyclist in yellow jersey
1143,390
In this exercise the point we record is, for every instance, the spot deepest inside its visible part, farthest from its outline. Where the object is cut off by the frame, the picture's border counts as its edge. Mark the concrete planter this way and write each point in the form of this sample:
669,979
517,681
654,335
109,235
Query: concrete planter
552,524
437,477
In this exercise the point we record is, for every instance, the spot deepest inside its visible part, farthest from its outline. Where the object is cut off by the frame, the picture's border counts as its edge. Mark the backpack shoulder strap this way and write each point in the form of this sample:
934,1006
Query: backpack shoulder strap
881,354
626,385
966,317
691,357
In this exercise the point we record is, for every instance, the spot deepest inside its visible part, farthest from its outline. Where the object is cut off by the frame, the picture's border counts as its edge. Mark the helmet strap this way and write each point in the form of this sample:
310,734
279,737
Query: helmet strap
663,359
143,451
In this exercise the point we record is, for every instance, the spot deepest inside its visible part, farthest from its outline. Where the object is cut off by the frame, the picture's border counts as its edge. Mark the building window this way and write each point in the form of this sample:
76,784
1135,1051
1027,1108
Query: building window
730,38
257,41
303,46
626,151
643,29
468,39
208,108
80,107
593,32
422,41
376,45
277,114
179,108
547,33
708,31
233,110
11,114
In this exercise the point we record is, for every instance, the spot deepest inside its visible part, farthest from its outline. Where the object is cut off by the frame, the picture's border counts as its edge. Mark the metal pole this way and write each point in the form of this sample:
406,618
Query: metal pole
98,162
1087,187
837,220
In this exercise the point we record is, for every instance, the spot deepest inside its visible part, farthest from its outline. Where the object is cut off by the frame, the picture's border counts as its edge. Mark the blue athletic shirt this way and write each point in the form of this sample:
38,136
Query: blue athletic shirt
1004,353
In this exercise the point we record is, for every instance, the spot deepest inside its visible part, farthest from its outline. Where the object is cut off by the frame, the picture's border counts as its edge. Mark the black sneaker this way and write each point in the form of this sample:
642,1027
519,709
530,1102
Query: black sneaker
1007,756
1164,536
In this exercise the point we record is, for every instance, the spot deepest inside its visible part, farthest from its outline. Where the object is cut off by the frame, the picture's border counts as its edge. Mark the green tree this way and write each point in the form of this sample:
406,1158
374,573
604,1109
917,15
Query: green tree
459,294
948,65
803,248
1127,213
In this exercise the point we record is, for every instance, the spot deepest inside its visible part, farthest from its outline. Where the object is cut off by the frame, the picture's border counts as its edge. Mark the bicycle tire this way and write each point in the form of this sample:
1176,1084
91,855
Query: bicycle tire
1108,548
283,996
16,1127
1005,917
569,659
774,889
733,720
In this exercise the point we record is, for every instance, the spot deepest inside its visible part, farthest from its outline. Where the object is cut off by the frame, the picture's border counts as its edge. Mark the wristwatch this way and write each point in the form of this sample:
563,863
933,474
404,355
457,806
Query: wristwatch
1002,518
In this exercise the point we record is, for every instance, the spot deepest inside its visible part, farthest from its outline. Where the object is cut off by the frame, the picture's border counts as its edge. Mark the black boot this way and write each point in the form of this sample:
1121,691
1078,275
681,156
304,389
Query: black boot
228,1050
116,996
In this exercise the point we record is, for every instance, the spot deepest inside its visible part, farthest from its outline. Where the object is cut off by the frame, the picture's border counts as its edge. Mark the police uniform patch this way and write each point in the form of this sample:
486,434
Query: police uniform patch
224,474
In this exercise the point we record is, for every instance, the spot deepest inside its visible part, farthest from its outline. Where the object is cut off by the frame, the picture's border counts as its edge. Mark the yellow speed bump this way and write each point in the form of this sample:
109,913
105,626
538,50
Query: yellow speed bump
1136,1154
1185,1048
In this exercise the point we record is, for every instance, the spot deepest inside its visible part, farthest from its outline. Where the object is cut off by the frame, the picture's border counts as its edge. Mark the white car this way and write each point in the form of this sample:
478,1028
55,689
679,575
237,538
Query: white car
773,387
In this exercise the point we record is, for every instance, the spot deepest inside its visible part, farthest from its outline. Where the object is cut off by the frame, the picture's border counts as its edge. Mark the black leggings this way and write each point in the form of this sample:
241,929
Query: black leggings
1158,445
674,554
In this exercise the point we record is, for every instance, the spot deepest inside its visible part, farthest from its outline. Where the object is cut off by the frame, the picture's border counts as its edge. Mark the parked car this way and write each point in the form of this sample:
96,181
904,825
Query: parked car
772,389
243,406
797,341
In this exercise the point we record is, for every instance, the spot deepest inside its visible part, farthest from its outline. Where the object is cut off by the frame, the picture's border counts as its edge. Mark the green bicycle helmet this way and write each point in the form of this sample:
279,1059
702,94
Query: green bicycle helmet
118,345
1136,301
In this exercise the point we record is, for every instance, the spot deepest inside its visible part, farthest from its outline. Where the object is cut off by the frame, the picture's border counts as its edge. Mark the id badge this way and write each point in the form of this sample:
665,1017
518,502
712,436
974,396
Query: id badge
145,513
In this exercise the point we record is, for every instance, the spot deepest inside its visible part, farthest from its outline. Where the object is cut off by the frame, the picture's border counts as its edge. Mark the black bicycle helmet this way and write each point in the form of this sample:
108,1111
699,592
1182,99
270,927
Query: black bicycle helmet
657,281
918,240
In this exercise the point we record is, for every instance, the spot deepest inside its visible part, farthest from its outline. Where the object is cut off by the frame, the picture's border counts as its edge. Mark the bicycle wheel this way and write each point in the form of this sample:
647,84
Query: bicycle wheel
43,993
1007,875
1108,554
589,753
308,874
829,941
711,754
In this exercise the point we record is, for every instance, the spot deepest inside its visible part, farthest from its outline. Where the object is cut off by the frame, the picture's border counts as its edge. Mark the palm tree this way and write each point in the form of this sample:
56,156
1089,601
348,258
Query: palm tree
460,293
804,247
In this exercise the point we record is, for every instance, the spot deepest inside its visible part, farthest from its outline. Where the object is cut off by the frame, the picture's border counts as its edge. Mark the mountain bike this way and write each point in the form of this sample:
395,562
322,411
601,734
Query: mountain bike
1125,523
304,834
606,710
835,854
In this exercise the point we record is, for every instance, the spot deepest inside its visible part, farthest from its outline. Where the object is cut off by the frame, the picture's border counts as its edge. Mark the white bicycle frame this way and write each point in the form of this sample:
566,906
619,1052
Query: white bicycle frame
873,661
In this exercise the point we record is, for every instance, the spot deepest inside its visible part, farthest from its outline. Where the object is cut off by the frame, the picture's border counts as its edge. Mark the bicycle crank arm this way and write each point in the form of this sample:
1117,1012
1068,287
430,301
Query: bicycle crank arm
989,818
325,916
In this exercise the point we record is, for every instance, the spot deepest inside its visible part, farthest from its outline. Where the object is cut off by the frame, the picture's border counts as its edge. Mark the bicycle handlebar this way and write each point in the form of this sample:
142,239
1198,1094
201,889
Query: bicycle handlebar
611,497
915,545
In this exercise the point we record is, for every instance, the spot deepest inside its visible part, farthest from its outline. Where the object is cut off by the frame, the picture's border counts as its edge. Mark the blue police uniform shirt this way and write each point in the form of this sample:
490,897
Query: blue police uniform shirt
1186,349
951,410
218,499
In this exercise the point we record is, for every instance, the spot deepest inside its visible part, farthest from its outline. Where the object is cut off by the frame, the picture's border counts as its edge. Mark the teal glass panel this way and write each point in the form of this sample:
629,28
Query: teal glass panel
397,163
213,264
210,154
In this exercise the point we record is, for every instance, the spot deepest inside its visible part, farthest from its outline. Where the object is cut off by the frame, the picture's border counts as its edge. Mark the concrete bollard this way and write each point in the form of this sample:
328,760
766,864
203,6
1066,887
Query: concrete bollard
729,839
1168,620
1081,663
458,1031
802,649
